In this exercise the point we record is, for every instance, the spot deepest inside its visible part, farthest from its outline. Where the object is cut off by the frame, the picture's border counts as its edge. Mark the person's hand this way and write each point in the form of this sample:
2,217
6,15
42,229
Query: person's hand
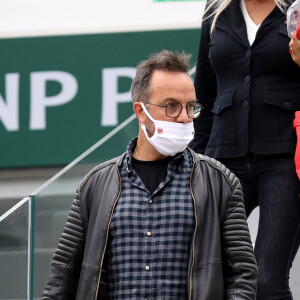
295,48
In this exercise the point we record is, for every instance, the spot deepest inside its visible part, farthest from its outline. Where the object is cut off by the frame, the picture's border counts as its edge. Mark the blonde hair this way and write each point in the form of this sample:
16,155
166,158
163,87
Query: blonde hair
215,8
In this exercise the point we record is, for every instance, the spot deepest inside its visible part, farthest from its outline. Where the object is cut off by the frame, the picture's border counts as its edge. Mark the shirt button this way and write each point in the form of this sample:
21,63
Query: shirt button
149,233
247,79
150,201
147,268
248,52
245,104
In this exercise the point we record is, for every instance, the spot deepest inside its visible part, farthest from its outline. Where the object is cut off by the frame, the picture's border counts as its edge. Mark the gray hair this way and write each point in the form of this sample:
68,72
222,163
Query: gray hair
164,61
215,8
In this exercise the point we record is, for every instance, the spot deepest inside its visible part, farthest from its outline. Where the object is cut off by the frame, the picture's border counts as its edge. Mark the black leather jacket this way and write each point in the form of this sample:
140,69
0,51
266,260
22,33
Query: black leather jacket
221,266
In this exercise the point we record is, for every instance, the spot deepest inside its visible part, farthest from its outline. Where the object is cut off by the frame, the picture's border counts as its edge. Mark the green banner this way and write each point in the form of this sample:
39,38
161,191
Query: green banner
59,95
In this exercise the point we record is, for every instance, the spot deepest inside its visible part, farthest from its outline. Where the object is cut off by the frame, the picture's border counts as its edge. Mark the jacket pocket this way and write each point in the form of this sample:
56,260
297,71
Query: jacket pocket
223,128
208,282
283,97
280,104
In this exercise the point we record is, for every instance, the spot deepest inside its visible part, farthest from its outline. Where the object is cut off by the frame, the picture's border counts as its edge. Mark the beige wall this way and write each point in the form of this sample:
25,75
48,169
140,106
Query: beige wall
48,17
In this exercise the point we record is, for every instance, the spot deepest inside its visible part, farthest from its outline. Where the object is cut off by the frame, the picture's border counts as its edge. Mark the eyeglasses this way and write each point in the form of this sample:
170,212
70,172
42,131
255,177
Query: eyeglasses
173,110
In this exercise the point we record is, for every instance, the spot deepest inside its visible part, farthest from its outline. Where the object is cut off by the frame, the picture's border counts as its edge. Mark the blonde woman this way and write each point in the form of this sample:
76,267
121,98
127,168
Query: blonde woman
248,81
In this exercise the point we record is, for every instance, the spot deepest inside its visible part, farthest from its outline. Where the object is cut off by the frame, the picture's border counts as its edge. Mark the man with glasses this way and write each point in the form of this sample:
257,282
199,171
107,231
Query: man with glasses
158,222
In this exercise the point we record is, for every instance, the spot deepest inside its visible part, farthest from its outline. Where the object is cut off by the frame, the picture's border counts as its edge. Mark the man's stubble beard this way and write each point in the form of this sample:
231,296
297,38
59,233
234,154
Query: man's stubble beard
150,127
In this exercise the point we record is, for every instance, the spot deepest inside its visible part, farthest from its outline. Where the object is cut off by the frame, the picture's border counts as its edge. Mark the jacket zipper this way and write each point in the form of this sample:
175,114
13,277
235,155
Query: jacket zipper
193,260
196,225
106,238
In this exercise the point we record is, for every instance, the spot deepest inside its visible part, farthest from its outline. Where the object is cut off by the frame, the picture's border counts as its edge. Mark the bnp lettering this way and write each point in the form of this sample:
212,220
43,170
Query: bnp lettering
39,101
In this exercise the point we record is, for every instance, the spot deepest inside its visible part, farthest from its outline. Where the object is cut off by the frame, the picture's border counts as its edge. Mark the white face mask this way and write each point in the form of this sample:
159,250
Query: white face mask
169,138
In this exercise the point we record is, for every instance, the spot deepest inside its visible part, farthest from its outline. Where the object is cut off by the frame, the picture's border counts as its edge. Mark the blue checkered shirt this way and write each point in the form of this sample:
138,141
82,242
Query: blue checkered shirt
151,234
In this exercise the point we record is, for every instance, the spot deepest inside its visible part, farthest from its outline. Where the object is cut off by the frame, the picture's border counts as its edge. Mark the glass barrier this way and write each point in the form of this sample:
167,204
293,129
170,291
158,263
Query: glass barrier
53,200
14,251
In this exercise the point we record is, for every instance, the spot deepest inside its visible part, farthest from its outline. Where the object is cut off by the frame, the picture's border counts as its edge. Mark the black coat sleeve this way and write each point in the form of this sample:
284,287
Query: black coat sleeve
205,85
239,264
66,263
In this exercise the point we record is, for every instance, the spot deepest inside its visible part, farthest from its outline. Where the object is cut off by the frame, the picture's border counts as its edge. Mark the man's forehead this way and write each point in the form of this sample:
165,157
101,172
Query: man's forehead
170,79
172,86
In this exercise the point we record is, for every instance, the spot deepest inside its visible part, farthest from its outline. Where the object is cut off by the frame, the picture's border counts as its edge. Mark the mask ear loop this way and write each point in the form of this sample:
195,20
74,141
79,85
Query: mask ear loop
143,125
147,113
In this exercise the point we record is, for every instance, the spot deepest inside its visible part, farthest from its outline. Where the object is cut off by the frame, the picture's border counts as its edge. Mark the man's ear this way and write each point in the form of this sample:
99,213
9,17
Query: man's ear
140,114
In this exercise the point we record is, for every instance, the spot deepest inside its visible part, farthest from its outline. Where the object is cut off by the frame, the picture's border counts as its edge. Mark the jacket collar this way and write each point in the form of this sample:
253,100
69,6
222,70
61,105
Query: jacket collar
274,16
177,159
233,16
236,19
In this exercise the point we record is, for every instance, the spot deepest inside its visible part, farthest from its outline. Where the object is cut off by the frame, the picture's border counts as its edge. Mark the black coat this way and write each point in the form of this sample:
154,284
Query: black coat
249,93
222,265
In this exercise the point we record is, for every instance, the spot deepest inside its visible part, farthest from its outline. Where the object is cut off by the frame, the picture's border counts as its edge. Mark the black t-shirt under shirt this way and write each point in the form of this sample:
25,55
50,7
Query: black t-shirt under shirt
152,173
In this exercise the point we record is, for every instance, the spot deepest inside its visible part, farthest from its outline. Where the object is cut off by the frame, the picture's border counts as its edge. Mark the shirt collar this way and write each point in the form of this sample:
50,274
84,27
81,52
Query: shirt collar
175,163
